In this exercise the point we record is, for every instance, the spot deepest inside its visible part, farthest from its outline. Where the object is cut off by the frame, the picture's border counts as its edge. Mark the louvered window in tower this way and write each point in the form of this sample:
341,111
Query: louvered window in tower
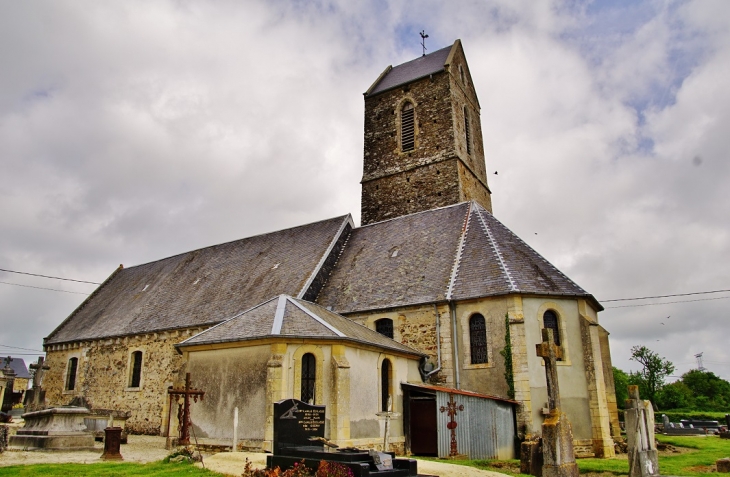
550,321
309,378
407,127
467,131
384,326
478,339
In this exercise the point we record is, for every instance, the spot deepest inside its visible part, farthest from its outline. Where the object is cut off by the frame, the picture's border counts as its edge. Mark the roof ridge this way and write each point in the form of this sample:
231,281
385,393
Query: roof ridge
539,255
334,265
325,255
317,318
459,251
497,251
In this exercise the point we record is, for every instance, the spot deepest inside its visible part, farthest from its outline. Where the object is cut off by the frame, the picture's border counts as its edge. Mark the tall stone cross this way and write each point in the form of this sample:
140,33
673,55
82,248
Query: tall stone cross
38,369
35,397
183,413
451,409
550,353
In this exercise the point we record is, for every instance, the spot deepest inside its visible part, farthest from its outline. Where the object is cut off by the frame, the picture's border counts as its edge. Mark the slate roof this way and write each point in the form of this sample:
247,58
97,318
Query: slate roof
451,253
202,287
411,71
17,365
284,316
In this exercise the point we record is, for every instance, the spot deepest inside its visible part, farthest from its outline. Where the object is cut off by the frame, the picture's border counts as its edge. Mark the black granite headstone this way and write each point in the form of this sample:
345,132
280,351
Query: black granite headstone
296,423
727,420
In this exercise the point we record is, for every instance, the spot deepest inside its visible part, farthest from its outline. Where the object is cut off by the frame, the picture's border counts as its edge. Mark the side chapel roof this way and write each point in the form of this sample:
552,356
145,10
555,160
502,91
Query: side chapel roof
205,286
451,253
284,316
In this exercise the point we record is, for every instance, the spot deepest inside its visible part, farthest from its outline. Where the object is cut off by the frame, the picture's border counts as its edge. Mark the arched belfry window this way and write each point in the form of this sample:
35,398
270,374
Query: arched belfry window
135,376
385,381
309,377
467,131
384,326
478,339
550,321
73,365
407,127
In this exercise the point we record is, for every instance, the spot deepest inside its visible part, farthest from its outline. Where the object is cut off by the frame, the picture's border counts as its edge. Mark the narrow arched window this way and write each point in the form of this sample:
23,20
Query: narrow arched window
550,321
136,374
407,127
384,326
385,381
467,131
73,364
478,339
309,377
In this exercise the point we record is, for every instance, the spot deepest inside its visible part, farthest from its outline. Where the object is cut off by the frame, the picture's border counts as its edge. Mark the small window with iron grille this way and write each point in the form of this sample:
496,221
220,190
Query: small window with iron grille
73,365
309,378
384,326
407,127
135,377
478,339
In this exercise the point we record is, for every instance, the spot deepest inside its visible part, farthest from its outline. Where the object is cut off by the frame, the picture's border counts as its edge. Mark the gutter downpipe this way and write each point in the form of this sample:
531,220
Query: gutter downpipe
425,376
455,343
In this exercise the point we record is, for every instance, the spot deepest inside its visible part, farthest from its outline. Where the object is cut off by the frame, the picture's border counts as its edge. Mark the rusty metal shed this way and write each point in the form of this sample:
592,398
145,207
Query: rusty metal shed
485,426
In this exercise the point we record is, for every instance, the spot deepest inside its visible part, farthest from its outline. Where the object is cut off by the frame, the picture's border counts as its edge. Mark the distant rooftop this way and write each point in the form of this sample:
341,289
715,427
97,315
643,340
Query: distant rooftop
412,70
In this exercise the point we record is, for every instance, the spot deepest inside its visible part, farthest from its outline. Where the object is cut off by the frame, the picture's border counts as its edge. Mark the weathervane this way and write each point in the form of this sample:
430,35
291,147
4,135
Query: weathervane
423,41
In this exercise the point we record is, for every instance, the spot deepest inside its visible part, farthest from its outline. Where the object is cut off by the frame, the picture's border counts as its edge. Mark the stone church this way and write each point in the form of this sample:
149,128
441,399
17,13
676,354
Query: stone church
430,292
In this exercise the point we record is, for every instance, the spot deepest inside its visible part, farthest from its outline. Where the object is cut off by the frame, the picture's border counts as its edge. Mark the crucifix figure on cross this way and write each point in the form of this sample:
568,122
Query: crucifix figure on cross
183,412
451,409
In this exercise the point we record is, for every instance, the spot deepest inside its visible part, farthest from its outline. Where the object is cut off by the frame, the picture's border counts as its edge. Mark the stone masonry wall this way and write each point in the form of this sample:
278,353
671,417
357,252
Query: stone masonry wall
397,183
103,376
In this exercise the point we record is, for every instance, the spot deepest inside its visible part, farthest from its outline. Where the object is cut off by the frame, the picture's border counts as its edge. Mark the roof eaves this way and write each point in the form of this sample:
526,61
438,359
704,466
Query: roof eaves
399,85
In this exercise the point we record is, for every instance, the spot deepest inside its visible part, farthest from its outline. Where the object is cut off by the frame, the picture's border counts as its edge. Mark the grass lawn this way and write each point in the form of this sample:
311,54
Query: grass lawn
697,458
105,469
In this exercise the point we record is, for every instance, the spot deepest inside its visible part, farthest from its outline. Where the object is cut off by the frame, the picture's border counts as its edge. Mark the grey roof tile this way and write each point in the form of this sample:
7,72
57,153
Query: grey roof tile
412,70
299,319
202,287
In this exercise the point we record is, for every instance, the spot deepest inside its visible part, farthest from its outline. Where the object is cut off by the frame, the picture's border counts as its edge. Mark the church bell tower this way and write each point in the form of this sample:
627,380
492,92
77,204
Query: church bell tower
423,138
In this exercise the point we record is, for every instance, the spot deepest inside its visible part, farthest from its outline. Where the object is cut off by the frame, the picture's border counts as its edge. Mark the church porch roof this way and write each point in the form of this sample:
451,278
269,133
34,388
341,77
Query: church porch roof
285,316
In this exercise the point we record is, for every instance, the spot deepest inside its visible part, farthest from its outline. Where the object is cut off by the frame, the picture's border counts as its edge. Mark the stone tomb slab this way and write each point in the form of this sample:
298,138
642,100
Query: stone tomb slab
299,437
58,428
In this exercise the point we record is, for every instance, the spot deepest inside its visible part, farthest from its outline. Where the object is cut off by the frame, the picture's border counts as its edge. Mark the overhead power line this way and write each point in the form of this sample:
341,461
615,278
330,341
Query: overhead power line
43,288
666,296
669,302
18,347
49,276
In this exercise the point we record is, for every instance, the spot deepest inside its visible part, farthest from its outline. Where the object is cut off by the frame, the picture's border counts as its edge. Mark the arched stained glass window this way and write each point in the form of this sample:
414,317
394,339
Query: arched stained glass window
407,127
385,386
309,378
384,326
478,339
73,364
550,321
136,375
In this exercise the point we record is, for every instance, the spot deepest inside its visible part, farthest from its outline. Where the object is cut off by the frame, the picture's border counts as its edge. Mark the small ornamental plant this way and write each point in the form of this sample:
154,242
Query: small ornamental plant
325,469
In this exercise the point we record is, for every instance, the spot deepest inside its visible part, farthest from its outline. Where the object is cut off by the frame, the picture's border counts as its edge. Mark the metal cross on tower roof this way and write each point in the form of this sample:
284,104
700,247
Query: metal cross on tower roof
423,41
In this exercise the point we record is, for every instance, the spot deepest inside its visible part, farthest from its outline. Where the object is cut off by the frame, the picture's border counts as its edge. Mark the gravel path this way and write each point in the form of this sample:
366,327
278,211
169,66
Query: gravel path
145,449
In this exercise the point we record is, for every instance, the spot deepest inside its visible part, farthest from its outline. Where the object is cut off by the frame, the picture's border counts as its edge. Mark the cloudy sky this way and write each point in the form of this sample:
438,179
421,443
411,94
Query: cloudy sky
131,131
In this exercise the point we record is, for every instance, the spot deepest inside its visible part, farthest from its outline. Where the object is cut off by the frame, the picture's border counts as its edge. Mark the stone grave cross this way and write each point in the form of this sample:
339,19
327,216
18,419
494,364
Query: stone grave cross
36,396
557,434
183,413
451,409
387,415
550,353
